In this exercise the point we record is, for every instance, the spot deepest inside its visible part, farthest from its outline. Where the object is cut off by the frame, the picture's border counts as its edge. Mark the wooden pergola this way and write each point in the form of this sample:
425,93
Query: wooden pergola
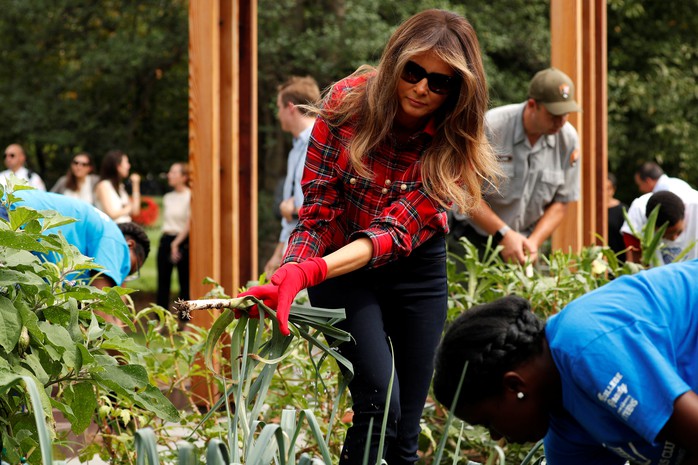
223,132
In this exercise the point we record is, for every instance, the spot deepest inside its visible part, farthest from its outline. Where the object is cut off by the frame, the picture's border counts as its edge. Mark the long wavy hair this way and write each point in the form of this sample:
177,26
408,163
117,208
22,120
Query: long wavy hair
109,169
459,160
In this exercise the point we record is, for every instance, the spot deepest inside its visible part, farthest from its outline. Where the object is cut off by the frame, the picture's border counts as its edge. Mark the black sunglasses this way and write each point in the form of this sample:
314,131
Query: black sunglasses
80,163
437,82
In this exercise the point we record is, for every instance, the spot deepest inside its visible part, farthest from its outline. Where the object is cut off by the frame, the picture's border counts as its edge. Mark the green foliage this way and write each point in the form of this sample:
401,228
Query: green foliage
557,280
53,331
95,76
255,359
281,386
652,88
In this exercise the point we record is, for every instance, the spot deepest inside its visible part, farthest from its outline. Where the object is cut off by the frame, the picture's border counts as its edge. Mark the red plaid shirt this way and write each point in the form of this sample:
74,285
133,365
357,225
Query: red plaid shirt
392,208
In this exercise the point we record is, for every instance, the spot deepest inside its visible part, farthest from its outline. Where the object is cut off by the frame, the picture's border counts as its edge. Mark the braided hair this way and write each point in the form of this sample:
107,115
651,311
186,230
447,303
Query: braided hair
493,338
136,232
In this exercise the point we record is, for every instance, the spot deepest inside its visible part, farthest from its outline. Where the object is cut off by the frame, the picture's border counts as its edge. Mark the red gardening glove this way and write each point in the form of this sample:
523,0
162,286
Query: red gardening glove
268,294
290,279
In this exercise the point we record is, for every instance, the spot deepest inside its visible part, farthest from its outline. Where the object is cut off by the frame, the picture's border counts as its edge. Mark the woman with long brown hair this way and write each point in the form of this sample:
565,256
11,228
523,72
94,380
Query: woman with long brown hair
393,148
110,193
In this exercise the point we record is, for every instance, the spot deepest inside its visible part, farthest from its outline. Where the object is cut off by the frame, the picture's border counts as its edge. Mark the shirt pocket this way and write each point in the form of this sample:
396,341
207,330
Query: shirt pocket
550,182
506,163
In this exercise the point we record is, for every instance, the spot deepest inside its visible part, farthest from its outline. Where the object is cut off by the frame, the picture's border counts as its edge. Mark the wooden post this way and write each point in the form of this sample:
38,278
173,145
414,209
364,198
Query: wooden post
223,143
222,149
578,37
204,145
600,85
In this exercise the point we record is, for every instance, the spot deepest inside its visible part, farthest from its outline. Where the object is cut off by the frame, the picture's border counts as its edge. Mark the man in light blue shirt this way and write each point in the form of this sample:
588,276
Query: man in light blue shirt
119,249
296,91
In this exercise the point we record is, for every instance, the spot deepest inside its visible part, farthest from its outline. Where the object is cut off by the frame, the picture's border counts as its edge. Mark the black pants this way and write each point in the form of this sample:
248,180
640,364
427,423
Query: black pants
405,301
165,267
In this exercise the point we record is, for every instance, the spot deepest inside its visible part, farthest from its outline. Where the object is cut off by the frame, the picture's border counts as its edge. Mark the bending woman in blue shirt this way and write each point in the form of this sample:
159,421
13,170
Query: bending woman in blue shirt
612,378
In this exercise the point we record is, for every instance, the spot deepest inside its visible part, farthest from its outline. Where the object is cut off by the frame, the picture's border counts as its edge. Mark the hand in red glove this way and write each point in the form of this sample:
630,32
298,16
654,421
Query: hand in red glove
291,279
286,283
267,293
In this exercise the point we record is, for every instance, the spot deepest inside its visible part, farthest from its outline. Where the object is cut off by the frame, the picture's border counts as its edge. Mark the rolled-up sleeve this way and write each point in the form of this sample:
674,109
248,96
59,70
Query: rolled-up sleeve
404,225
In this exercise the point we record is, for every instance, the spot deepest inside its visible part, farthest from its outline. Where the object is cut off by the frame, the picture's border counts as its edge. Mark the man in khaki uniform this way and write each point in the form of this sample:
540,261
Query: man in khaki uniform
538,151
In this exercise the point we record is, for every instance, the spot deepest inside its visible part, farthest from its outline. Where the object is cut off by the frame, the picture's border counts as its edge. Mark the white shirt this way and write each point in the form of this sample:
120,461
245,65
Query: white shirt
120,198
23,173
176,211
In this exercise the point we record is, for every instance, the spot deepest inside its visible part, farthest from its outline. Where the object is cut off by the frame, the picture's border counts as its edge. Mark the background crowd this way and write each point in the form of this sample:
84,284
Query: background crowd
108,192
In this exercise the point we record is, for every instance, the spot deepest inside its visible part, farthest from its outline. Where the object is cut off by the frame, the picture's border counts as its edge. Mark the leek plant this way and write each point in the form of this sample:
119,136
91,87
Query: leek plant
254,360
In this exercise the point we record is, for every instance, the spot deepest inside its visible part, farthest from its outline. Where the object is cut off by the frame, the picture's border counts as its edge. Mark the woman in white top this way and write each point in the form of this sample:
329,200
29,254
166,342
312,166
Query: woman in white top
174,244
79,182
110,193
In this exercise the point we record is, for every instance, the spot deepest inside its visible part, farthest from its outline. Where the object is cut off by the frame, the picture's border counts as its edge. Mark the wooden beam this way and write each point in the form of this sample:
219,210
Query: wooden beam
578,48
601,92
205,159
565,54
204,146
223,144
247,167
588,116
230,153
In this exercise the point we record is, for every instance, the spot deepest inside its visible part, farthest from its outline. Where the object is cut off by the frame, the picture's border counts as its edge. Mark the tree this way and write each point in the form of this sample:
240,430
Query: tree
653,102
95,75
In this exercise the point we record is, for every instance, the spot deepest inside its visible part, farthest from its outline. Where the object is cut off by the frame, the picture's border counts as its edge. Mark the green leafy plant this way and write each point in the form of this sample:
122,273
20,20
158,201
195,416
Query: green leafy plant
54,332
266,378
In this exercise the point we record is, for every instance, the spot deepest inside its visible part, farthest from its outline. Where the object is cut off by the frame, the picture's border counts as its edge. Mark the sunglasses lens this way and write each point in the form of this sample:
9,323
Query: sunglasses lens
413,73
440,84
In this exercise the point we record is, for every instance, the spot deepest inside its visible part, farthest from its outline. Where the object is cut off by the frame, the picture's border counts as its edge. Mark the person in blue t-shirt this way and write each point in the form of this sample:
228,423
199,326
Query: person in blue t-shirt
120,249
611,378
